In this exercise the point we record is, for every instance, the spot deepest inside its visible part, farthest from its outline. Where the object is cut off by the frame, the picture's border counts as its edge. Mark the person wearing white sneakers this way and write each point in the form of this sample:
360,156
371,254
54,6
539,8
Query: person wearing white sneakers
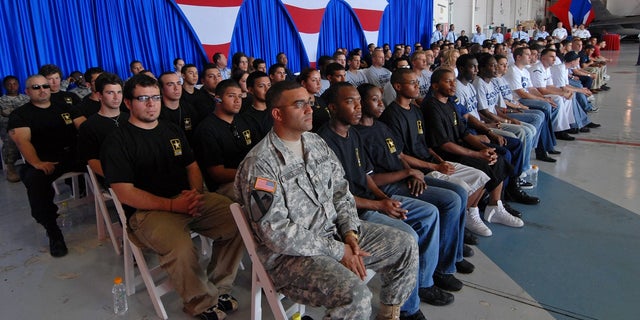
449,136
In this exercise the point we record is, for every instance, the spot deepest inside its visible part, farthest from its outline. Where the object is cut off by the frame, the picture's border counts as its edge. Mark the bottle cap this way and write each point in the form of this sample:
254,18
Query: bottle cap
535,166
117,280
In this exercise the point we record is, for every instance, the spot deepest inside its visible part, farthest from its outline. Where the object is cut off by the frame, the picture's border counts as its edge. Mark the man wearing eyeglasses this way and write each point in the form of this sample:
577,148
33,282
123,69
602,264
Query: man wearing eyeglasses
223,138
45,133
306,223
150,166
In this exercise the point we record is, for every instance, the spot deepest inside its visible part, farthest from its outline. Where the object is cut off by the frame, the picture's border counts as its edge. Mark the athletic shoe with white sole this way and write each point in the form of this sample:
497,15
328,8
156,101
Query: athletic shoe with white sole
475,224
498,214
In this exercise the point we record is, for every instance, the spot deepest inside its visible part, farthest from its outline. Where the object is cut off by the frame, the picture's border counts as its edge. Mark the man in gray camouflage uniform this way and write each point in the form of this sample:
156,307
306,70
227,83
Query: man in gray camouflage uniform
9,102
304,218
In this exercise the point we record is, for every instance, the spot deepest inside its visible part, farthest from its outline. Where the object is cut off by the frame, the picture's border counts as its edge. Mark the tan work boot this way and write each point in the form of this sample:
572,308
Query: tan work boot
12,173
388,312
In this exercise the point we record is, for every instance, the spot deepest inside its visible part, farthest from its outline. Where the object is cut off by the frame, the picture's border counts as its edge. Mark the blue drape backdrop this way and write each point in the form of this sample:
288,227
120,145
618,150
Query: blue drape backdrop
340,28
79,34
263,29
406,21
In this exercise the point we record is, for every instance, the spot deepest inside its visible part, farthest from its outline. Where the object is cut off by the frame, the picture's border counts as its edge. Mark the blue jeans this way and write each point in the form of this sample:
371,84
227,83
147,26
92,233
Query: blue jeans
450,206
423,224
578,106
547,139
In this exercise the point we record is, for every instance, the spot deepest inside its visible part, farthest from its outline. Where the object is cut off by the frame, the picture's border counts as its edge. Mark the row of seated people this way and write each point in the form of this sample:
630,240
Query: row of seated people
488,166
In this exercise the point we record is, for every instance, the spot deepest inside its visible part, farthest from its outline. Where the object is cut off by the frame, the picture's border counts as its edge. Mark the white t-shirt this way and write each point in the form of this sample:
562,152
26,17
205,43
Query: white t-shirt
356,78
560,75
560,33
489,96
468,97
377,76
540,76
503,87
518,78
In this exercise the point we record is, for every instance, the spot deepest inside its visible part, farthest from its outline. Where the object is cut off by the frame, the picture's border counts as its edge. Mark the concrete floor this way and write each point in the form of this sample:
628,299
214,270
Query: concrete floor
601,165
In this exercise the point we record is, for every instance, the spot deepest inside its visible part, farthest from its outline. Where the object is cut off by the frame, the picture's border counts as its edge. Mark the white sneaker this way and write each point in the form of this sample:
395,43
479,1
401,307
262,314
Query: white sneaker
498,214
474,223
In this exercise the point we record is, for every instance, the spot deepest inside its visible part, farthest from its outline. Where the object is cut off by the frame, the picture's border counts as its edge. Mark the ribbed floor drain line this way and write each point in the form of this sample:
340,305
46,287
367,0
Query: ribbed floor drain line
536,304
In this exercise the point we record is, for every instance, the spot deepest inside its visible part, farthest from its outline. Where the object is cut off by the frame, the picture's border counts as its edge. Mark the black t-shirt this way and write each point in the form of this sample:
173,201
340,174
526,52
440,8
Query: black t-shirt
185,116
88,107
66,98
261,117
154,160
203,102
382,147
94,131
408,127
353,157
189,97
444,124
320,114
217,142
53,134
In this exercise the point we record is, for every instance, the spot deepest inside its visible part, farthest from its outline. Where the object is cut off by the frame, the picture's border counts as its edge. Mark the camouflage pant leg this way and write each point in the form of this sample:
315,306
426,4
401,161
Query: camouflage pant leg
10,152
394,256
323,281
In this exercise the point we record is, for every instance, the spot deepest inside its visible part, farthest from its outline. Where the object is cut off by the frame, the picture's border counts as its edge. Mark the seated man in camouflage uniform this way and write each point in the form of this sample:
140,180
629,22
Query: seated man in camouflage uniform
306,224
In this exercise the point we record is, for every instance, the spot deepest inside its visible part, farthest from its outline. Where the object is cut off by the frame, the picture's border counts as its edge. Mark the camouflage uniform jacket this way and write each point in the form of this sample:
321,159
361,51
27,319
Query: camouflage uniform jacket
296,207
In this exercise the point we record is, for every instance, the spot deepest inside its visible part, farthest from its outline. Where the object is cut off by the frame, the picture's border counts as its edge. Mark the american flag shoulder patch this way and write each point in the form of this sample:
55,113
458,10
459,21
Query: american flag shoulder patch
265,185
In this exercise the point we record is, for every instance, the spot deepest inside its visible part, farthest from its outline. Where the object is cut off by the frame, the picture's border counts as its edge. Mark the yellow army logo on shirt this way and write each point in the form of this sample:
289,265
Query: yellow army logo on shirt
67,118
358,157
68,100
391,145
187,124
419,123
177,147
247,136
455,119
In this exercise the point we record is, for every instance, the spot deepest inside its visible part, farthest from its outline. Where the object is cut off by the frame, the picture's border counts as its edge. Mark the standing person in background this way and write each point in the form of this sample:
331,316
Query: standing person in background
220,60
451,35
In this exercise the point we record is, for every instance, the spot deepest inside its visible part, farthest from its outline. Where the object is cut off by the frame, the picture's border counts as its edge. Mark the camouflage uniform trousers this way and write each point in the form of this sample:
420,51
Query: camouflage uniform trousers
168,234
323,281
10,152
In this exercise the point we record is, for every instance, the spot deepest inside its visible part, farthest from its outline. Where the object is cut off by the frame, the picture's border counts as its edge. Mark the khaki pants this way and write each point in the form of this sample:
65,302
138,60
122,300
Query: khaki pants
168,234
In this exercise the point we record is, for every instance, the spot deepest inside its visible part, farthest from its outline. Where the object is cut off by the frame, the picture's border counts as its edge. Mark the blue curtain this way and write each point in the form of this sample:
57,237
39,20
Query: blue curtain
263,29
340,28
79,34
406,21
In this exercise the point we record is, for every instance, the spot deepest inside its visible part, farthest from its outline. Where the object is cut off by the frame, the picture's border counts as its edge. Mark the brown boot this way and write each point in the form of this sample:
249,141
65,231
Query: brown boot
388,312
12,173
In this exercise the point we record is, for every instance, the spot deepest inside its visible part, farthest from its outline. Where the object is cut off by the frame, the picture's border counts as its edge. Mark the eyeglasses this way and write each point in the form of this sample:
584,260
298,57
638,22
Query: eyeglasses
155,98
40,86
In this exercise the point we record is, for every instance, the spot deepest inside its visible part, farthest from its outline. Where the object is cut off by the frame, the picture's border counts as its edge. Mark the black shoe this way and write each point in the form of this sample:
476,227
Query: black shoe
416,316
434,296
544,157
467,251
554,151
573,131
212,313
520,196
470,238
512,210
57,247
447,282
605,87
465,267
593,125
523,184
584,129
563,135
227,303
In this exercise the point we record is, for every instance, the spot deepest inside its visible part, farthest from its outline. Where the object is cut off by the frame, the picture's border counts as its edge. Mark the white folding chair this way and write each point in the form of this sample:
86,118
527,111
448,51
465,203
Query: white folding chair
155,288
103,219
260,280
75,185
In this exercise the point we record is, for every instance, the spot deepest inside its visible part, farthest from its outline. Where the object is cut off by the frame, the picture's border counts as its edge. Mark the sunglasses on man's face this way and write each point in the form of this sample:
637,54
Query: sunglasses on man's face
40,86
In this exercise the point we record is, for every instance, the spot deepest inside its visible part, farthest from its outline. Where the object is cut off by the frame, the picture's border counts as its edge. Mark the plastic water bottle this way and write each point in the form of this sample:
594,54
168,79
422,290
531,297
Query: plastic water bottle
532,175
119,291
296,316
